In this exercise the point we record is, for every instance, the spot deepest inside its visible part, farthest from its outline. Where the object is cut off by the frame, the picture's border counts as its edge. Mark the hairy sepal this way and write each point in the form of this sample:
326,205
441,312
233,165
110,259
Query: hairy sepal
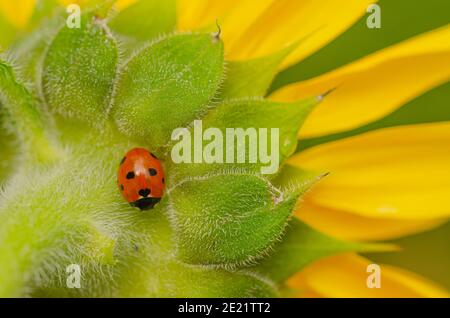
166,85
227,219
79,71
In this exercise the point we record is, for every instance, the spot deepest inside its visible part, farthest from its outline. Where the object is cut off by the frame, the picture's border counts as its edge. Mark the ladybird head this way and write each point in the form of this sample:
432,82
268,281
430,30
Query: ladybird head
145,203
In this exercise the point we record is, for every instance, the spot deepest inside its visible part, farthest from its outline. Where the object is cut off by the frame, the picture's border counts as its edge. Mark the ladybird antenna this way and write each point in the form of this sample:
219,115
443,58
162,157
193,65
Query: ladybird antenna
219,30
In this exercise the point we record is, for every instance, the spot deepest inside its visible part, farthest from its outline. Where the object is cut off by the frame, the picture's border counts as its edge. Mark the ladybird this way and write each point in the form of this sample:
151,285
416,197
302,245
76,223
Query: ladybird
141,178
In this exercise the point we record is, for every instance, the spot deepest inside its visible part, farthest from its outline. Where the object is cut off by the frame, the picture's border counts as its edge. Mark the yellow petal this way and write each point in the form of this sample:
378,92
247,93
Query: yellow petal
17,13
400,172
346,276
374,86
285,22
252,29
354,227
197,14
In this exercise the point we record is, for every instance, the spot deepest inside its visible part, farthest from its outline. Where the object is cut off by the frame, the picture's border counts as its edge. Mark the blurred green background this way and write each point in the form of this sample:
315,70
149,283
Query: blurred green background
427,253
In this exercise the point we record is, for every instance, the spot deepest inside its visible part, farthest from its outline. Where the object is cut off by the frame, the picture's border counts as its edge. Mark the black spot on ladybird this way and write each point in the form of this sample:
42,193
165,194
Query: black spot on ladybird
163,180
121,187
144,192
152,172
130,175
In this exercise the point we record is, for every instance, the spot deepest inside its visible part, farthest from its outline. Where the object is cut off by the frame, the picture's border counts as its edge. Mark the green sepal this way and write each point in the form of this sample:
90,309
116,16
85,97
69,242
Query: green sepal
167,85
79,71
294,178
252,78
228,219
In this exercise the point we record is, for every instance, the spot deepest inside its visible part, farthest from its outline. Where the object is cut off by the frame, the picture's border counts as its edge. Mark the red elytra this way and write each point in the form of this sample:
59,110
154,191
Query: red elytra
141,178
